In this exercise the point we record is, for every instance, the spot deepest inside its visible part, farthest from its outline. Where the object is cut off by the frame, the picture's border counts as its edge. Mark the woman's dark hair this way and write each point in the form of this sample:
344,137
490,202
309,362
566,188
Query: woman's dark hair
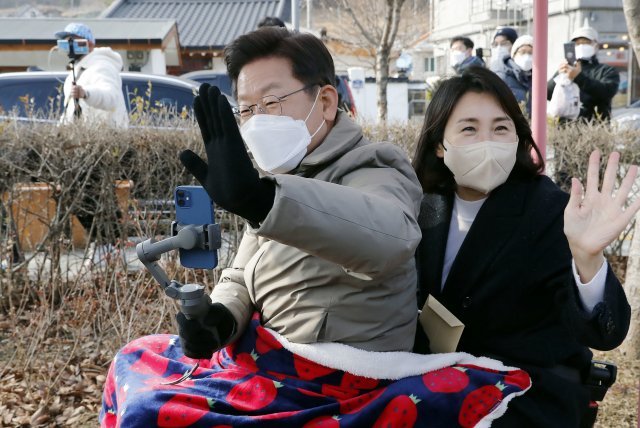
310,60
433,174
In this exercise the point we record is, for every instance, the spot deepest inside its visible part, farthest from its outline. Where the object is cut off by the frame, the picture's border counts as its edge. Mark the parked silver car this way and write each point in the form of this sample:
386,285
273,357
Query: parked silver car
627,117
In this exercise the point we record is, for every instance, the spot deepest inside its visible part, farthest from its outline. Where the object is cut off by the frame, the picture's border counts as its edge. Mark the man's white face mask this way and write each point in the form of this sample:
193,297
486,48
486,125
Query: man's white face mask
585,51
456,57
499,53
278,143
481,166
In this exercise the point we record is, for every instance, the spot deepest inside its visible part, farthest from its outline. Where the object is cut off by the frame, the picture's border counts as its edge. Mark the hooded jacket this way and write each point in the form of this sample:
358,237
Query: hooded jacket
333,259
519,81
99,75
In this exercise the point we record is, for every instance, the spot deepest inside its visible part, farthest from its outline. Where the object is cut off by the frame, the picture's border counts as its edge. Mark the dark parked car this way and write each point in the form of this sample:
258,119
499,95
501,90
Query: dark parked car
39,93
214,78
222,81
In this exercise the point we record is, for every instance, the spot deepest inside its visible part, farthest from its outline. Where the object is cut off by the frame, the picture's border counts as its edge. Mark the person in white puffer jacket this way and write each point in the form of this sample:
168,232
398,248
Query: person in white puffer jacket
98,86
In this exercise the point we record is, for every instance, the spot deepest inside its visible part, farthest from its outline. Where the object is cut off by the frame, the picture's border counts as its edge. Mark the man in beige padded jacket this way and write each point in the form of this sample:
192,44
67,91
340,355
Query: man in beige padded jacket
328,252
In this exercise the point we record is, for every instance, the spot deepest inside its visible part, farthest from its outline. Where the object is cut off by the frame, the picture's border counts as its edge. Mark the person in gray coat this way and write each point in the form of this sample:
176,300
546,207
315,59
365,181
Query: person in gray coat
327,255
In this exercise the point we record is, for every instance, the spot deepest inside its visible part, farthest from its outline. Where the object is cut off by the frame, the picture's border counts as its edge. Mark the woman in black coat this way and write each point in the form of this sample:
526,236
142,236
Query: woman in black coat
517,260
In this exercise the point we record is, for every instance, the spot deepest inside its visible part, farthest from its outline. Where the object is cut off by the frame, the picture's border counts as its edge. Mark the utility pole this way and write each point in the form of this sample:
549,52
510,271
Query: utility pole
295,15
309,7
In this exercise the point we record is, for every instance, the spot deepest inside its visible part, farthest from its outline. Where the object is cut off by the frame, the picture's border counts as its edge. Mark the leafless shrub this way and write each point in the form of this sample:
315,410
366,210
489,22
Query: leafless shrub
568,154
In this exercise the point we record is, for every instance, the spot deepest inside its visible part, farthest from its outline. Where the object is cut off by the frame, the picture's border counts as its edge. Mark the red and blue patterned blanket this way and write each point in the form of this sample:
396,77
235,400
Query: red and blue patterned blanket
258,382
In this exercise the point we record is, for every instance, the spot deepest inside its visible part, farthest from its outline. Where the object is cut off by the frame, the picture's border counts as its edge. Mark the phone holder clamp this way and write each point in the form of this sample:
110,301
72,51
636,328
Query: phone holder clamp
191,297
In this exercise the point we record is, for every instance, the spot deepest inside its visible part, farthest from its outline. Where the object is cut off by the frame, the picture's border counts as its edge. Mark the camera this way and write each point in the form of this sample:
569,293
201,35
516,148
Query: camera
74,48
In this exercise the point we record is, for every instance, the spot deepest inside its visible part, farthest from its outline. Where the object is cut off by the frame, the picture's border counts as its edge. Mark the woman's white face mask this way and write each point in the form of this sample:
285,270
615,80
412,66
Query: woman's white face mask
524,61
278,143
481,166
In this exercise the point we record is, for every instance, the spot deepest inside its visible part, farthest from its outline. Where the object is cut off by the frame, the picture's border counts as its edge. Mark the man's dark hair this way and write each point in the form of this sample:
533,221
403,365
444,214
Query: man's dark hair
271,21
311,62
433,174
468,43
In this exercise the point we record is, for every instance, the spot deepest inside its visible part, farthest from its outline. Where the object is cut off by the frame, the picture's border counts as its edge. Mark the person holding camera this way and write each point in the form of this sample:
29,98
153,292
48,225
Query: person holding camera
598,82
93,89
331,213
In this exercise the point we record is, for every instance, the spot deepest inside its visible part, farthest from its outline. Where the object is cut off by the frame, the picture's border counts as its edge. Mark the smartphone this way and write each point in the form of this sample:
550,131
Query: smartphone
570,52
194,206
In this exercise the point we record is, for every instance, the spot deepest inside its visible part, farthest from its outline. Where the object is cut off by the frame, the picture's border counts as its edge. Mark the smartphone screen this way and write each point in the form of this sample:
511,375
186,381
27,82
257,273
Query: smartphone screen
63,45
194,206
81,46
570,52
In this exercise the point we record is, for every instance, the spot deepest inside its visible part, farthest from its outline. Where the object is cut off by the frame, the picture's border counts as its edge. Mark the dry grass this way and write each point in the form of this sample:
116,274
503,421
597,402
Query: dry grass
58,332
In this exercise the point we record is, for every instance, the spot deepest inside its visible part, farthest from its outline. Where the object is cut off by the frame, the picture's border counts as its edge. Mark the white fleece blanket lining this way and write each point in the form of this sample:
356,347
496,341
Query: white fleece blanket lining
392,365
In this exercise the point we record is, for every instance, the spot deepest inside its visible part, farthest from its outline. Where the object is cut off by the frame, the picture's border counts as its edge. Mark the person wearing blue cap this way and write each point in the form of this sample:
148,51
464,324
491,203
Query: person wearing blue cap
93,89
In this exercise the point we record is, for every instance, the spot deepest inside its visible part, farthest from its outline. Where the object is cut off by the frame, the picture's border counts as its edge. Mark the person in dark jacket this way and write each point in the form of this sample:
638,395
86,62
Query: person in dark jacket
517,73
514,258
461,56
598,82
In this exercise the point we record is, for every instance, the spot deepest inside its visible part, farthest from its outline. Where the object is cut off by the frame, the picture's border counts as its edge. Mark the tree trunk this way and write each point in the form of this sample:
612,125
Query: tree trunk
632,15
382,79
632,282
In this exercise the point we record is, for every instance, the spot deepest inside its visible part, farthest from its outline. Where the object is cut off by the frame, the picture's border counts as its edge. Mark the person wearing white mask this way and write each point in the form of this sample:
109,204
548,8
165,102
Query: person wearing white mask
518,261
503,41
598,82
516,72
327,255
461,54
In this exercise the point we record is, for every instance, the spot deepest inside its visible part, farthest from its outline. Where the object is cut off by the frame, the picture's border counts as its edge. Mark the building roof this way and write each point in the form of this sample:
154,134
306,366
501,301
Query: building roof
25,31
203,24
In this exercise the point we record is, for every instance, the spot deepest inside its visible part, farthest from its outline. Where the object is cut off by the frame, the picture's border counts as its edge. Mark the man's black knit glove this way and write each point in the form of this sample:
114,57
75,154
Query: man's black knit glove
201,340
230,178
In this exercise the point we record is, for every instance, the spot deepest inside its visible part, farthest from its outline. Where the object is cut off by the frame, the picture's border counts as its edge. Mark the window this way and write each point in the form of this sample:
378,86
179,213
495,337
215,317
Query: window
31,97
155,96
430,64
417,102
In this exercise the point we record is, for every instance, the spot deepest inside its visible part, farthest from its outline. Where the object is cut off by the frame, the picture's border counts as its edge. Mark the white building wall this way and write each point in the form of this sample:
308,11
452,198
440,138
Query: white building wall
367,104
50,61
455,17
156,63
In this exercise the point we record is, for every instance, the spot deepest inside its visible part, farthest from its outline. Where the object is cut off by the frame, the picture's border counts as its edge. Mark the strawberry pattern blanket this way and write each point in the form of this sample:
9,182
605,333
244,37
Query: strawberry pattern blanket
263,380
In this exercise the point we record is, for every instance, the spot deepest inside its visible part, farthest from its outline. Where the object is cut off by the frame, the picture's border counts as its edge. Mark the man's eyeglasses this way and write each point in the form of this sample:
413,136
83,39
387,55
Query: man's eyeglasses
269,104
